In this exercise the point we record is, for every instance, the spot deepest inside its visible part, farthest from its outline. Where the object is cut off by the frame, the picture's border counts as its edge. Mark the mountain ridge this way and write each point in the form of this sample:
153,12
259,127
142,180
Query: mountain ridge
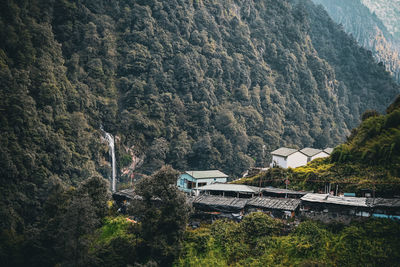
370,31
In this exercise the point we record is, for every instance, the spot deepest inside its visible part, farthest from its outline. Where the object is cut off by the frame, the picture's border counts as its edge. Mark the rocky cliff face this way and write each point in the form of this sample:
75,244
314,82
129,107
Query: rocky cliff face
375,26
388,11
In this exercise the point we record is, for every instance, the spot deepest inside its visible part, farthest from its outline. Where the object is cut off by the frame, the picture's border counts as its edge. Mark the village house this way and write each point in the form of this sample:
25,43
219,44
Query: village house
219,204
385,207
190,180
276,207
313,153
233,201
292,158
209,206
288,158
328,208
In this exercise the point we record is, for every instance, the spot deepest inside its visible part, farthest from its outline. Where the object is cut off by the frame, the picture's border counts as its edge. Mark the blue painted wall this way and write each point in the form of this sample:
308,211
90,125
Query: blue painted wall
182,185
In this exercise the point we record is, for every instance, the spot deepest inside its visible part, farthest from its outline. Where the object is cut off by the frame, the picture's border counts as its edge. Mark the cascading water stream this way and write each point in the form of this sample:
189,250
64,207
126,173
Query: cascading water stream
111,144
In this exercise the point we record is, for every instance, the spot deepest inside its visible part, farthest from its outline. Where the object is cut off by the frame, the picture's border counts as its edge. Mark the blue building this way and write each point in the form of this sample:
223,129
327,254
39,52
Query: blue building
192,179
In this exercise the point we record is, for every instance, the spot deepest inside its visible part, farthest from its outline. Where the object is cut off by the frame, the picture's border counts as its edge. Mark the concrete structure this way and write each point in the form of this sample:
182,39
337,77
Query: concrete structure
328,150
313,153
189,180
288,158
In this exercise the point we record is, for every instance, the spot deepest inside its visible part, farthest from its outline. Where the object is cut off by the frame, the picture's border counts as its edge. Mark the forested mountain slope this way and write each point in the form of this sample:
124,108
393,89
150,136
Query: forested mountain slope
358,18
198,85
368,160
388,11
205,85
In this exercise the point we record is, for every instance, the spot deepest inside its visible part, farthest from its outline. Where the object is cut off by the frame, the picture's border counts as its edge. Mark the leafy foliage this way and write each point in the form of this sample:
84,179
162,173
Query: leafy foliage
199,84
310,244
163,213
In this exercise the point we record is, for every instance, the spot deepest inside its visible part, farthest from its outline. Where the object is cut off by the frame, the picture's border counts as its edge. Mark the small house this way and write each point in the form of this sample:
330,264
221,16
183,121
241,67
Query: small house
192,179
385,207
208,203
329,208
277,207
313,153
288,158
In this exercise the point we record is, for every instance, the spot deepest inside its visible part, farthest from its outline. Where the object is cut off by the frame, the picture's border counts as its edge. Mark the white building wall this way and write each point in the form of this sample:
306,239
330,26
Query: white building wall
278,161
211,180
321,154
296,159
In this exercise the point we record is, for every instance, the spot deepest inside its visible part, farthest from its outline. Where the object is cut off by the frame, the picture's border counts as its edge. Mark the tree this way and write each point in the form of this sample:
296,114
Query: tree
163,215
96,188
78,221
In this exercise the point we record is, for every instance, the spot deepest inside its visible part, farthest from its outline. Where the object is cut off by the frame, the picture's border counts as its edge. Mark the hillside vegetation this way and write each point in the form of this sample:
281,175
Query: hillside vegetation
370,159
198,85
259,240
369,29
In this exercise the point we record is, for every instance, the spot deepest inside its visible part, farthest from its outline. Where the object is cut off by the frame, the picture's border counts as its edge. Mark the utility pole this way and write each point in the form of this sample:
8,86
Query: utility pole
373,193
286,182
262,166
263,156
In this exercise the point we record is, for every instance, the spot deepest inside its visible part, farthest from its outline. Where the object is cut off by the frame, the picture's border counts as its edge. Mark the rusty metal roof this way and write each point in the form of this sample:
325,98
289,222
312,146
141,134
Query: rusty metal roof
289,204
225,204
326,198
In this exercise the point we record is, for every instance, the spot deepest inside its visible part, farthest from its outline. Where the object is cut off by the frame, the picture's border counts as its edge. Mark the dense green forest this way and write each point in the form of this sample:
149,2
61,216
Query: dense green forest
80,227
370,159
359,20
259,240
198,84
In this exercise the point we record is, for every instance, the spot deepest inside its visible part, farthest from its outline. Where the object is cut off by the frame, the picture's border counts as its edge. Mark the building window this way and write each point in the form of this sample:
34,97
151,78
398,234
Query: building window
191,185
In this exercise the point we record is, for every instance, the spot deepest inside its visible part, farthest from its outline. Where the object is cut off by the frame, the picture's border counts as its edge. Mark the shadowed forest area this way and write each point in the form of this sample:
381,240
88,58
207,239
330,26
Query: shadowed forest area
195,85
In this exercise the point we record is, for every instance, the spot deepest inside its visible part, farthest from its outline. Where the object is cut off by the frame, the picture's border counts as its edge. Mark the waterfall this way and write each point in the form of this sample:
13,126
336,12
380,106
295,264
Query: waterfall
110,139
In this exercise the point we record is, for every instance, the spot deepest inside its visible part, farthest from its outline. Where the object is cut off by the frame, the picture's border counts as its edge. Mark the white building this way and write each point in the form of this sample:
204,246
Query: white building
288,158
313,153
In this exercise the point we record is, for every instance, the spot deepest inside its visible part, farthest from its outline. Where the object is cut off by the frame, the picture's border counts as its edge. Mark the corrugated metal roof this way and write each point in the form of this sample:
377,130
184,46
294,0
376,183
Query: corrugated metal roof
383,202
207,174
219,203
274,203
283,191
310,152
284,151
241,188
328,150
326,198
